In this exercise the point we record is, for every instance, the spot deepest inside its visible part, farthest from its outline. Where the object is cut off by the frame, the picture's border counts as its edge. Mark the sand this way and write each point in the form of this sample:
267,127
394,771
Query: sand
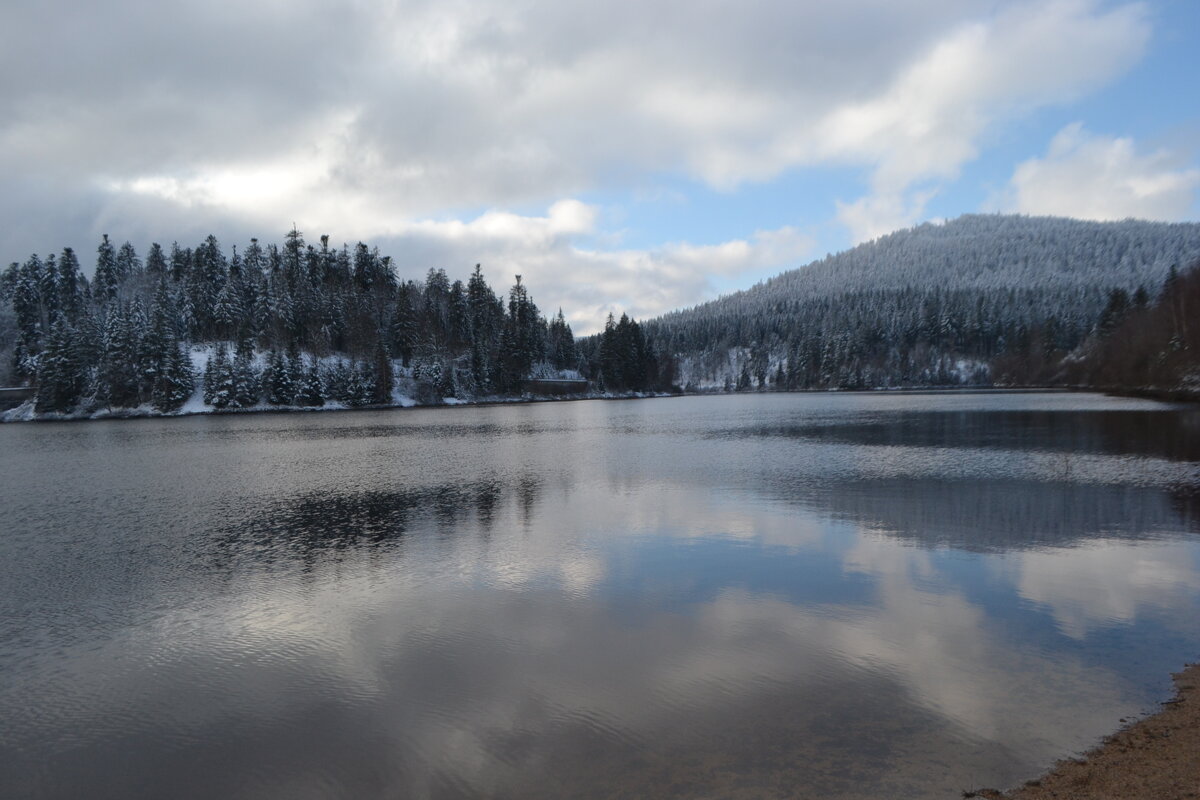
1157,758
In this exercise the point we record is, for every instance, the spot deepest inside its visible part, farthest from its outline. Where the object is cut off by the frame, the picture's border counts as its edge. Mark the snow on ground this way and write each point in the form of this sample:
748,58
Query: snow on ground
404,393
195,404
22,413
200,354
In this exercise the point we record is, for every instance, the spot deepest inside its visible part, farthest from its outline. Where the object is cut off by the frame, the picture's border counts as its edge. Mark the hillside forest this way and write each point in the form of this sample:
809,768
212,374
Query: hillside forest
978,301
297,325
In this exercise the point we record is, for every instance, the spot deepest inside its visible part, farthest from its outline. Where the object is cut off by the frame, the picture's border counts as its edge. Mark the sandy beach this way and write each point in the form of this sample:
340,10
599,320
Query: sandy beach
1156,758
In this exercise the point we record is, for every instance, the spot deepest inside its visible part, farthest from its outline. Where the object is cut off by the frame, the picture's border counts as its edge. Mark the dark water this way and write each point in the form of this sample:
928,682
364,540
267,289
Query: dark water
757,596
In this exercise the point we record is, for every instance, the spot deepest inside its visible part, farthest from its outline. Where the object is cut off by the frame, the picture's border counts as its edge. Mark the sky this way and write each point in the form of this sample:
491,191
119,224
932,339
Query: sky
625,155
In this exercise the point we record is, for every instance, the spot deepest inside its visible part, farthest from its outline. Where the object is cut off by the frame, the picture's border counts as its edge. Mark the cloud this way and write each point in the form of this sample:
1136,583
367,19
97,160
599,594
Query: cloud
1103,583
929,122
422,106
1097,177
876,215
551,254
364,119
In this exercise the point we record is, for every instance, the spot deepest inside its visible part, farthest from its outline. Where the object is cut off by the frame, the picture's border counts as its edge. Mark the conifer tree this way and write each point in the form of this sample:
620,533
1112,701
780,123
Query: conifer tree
311,393
128,263
403,332
293,257
48,290
228,315
181,258
523,341
246,383
609,360
381,375
295,369
175,384
561,343
118,378
8,281
156,262
218,379
60,376
338,381
89,335
460,317
253,262
485,316
26,298
446,385
70,298
360,386
106,279
277,381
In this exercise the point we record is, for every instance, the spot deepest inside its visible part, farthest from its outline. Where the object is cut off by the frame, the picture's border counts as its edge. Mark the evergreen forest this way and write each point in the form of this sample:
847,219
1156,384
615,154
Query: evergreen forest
982,300
298,325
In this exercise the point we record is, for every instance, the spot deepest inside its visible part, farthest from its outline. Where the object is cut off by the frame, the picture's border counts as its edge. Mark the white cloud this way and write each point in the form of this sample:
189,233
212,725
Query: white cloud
364,119
929,122
1105,582
1102,178
875,215
551,254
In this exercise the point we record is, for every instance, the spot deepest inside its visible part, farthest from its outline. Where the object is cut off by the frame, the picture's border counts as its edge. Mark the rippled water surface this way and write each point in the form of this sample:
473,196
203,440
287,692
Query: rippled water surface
825,596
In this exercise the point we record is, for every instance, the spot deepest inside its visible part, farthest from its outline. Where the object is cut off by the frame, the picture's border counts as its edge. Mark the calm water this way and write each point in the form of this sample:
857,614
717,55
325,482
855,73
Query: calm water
833,596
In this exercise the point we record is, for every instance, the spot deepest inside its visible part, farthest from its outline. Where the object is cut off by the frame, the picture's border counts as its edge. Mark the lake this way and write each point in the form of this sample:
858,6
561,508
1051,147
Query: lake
783,595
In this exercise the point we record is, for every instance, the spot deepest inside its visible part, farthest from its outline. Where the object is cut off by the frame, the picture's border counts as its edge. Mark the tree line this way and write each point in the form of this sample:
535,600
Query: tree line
1140,342
981,300
298,324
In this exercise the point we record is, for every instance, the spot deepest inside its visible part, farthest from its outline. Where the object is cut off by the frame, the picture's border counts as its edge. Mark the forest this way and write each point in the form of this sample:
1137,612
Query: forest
982,300
1142,343
297,325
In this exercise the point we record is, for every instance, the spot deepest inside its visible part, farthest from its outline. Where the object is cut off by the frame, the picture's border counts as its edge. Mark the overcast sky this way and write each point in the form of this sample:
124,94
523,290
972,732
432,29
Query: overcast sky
636,155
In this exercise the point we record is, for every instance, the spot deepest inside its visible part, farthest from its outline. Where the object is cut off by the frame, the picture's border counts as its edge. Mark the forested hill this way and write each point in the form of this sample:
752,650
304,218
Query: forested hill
982,299
205,327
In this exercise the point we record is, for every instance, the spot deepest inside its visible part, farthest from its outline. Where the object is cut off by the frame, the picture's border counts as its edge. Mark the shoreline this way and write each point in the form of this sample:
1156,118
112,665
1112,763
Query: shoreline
7,416
1165,395
10,415
1155,758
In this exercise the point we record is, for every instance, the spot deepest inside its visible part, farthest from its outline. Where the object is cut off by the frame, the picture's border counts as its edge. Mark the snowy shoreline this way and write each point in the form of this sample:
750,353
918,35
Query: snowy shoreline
25,412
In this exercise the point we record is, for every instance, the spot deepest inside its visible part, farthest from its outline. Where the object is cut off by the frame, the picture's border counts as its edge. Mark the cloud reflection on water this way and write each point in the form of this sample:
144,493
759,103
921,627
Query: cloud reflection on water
598,599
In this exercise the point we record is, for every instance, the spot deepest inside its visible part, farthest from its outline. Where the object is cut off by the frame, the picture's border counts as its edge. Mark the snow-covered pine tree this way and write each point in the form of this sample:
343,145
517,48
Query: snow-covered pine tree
338,379
381,374
128,263
247,385
175,384
48,290
156,262
218,378
70,298
278,386
561,343
311,393
60,377
295,369
105,280
360,385
118,378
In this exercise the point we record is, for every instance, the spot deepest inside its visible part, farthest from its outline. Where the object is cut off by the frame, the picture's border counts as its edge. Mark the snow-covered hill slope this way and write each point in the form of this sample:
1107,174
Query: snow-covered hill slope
977,287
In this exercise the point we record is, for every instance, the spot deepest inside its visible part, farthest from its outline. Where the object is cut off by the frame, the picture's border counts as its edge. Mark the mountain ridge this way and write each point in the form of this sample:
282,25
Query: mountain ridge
913,306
